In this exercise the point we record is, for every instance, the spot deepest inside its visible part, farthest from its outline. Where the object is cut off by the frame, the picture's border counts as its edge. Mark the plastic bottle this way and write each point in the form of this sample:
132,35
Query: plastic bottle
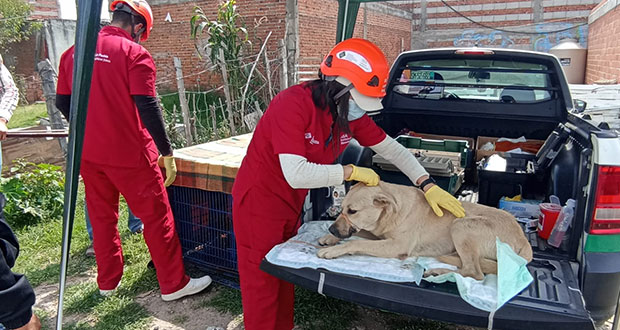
561,225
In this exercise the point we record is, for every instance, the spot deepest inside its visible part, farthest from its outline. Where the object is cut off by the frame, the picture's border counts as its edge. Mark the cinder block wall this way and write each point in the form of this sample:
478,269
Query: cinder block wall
603,64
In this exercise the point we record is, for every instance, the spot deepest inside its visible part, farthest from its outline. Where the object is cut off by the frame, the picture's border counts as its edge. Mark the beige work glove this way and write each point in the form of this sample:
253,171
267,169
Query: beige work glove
364,174
171,170
437,197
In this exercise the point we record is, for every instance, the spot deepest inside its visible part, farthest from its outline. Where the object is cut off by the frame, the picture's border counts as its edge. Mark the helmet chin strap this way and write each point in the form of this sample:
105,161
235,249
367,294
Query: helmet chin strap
345,90
135,35
338,95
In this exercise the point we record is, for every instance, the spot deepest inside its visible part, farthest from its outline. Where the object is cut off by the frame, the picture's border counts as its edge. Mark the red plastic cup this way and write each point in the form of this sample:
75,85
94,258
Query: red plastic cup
547,218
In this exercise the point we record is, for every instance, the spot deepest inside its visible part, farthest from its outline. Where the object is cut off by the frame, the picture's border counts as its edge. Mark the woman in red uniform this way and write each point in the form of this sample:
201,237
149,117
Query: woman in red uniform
293,149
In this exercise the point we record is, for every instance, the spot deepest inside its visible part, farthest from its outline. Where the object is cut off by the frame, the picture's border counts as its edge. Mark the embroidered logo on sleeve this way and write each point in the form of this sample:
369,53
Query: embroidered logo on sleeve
309,136
344,139
102,58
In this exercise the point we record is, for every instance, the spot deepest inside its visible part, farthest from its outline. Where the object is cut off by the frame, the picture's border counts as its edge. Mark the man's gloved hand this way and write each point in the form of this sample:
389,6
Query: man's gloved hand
171,170
363,174
437,197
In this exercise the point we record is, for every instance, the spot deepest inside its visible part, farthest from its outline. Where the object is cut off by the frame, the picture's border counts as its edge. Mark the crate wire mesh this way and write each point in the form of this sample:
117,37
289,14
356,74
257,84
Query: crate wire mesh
203,221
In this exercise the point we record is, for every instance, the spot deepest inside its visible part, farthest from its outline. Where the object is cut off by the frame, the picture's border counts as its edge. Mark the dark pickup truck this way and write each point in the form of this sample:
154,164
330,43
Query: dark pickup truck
502,93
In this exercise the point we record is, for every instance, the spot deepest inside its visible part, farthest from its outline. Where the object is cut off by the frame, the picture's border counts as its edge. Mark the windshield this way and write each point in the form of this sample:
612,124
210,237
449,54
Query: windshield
475,79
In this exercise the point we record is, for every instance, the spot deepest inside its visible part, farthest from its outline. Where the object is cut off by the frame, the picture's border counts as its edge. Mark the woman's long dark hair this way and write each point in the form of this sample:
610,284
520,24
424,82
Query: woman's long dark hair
323,93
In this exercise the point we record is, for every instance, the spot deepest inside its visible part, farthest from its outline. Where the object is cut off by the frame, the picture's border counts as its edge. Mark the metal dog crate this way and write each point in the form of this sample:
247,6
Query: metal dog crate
203,221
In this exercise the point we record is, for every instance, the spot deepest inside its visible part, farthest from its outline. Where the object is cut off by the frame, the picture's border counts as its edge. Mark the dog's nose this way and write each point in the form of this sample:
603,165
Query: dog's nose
352,231
334,231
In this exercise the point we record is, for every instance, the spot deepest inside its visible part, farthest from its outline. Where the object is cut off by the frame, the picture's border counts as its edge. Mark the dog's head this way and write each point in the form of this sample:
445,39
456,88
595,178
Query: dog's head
363,208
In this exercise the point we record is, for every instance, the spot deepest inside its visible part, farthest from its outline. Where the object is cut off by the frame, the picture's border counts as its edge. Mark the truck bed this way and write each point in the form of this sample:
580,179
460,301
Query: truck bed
469,193
552,301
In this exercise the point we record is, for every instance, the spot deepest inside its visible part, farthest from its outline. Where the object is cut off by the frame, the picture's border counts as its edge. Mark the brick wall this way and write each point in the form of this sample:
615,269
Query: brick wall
434,26
439,26
603,62
21,56
380,25
172,39
22,65
318,23
42,9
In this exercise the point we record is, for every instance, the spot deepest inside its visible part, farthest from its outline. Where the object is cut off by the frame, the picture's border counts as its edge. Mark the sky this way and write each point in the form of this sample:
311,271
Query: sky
68,11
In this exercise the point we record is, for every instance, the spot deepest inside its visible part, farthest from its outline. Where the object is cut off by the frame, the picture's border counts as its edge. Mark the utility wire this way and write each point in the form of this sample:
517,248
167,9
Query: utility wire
12,18
509,31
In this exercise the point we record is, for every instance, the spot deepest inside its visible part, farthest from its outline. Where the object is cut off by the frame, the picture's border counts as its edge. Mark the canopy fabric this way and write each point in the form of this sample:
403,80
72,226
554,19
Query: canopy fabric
348,9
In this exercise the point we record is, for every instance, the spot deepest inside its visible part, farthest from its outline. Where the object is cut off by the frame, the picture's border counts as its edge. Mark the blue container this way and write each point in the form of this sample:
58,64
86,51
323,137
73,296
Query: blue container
203,221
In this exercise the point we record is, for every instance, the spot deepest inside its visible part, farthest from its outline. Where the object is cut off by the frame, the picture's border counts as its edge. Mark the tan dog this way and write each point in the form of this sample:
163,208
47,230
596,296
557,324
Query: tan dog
405,225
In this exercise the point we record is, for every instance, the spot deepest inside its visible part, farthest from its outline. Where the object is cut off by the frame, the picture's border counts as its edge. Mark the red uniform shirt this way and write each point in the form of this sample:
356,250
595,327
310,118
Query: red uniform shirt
293,125
114,132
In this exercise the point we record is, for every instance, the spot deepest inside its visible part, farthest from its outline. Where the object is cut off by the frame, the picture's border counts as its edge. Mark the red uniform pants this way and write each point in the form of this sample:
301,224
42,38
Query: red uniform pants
143,189
268,302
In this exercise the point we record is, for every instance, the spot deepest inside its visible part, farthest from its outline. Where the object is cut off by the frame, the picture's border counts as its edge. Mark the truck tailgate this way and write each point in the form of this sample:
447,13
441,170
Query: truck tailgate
552,301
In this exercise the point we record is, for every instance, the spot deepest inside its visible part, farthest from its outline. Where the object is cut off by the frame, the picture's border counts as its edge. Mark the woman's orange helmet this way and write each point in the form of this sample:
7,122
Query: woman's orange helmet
361,63
142,8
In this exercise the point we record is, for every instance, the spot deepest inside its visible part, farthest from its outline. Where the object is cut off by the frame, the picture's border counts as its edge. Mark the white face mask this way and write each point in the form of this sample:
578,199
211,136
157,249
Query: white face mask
355,112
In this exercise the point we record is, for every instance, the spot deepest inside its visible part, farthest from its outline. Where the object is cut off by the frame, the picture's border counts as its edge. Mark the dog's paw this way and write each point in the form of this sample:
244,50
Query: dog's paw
328,240
330,252
437,272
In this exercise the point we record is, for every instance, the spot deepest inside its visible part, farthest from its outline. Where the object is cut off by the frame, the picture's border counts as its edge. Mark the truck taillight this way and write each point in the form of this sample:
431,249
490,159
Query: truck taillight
606,214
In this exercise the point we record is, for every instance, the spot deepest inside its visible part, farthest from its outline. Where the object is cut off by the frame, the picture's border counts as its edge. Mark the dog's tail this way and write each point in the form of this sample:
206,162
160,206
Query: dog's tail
488,266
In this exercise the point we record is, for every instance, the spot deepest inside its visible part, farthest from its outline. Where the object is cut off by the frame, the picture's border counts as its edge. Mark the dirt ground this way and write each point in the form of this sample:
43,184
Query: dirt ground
183,314
189,313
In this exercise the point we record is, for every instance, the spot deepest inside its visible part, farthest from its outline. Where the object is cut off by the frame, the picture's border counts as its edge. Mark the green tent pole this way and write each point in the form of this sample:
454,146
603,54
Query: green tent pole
347,13
89,13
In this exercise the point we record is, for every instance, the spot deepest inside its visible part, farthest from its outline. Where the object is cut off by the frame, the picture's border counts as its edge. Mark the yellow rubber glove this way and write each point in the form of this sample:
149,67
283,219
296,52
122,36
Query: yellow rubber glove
171,170
437,197
365,175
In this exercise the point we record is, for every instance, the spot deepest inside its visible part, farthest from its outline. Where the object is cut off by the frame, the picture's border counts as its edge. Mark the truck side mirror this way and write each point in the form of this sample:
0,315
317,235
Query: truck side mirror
579,105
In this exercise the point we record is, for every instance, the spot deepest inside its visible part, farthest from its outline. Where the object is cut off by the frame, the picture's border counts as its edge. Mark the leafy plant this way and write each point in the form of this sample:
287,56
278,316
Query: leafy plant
202,118
227,35
14,25
223,33
34,192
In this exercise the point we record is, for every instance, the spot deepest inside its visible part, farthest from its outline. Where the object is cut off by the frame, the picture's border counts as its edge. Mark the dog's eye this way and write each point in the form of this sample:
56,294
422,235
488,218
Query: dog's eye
350,211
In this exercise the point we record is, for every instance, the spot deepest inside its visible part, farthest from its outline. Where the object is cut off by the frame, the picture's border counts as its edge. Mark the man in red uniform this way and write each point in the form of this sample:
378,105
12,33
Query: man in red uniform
124,130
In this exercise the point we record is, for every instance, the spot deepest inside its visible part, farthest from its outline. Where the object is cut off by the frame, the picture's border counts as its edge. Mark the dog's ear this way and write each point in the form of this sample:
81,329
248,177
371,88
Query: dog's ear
381,200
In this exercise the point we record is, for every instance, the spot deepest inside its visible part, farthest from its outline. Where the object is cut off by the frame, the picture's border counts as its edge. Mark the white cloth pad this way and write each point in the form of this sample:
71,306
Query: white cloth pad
300,252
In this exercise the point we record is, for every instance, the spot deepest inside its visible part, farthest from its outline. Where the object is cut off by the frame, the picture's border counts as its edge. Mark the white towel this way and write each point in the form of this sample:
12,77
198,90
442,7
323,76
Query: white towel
300,252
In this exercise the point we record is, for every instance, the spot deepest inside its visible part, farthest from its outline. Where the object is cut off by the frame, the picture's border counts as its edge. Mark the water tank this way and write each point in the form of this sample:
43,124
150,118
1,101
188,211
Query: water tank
573,59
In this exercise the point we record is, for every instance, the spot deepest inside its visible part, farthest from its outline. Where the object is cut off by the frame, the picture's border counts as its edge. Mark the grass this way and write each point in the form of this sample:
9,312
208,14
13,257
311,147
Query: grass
226,300
29,115
312,311
316,312
86,309
40,256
